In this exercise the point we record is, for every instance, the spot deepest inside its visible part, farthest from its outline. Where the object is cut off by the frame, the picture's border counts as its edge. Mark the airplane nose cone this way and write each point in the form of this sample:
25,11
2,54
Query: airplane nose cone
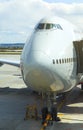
38,58
38,74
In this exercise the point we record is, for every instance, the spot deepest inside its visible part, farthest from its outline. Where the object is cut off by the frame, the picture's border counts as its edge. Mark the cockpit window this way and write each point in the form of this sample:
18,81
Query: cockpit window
57,26
48,26
41,26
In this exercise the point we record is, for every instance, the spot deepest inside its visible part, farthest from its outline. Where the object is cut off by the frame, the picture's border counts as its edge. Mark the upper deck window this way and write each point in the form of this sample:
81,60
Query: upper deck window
49,26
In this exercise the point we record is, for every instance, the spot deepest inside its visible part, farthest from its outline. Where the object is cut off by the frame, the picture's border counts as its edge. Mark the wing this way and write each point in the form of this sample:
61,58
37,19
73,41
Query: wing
10,62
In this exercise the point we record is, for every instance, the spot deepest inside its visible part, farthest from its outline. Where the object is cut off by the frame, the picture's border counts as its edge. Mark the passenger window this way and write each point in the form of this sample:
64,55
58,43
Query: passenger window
69,60
62,60
57,61
65,60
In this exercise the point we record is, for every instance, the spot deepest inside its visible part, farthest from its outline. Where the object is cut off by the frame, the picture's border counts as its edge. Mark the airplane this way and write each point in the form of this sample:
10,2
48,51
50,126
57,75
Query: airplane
51,60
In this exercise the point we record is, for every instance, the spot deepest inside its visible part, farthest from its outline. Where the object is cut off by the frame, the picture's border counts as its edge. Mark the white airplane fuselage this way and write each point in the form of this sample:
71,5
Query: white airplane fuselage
48,61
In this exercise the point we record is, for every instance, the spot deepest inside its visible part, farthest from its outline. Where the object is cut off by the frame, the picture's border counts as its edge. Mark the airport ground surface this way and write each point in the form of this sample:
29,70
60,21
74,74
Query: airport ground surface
13,103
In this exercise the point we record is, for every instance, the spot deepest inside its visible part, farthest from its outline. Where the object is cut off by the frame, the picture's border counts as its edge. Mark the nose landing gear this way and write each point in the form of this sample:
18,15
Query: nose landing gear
49,113
54,114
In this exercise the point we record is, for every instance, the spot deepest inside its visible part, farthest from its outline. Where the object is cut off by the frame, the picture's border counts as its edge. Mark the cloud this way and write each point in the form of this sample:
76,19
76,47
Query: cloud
72,12
68,8
18,17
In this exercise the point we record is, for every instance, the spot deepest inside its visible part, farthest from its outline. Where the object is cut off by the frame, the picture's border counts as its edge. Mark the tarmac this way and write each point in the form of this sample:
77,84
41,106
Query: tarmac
15,96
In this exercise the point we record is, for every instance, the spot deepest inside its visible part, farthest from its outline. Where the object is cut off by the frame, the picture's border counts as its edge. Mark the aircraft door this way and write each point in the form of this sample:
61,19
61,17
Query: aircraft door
79,53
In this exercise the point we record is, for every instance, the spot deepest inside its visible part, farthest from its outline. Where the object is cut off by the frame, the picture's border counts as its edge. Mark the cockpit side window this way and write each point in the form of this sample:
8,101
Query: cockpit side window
58,26
40,26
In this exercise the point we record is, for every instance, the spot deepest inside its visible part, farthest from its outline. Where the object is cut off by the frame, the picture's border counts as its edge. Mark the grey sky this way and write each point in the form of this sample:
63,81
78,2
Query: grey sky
18,17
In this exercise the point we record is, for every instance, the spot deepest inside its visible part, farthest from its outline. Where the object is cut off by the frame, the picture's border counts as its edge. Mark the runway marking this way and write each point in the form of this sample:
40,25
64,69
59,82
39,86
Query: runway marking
60,114
73,119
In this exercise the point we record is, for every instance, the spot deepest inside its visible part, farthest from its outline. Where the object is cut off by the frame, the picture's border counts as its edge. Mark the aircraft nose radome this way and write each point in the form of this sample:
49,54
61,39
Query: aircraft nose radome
38,72
39,78
38,58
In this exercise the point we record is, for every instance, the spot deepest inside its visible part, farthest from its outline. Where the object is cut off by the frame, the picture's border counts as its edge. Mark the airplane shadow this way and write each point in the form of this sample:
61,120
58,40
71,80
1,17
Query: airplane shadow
75,96
73,103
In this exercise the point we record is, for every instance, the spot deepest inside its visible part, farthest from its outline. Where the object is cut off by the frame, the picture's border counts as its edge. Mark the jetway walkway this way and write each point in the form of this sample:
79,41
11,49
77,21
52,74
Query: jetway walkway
79,53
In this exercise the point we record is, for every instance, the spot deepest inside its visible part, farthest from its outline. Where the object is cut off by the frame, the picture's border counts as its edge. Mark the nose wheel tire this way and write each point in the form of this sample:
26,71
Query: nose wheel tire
54,114
44,114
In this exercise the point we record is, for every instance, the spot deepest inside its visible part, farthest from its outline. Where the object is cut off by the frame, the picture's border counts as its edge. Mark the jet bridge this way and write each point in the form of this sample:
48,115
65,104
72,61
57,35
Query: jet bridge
79,52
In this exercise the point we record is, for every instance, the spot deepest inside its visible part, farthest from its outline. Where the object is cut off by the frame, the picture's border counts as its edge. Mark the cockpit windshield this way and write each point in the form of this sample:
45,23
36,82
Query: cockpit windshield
48,26
41,26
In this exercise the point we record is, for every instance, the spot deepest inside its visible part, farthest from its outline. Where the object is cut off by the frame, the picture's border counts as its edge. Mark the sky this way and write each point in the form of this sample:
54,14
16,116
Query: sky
19,17
64,1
